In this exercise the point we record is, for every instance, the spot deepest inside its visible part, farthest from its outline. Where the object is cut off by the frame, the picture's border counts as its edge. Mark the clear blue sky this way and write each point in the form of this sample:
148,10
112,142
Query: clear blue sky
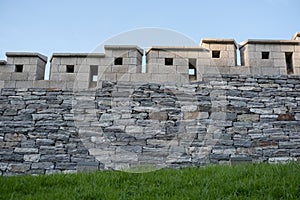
80,26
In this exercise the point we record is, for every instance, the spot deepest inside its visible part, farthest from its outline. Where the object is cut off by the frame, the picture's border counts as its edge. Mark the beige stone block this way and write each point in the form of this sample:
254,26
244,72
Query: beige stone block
24,84
240,70
152,54
55,60
174,78
224,69
68,76
158,77
82,77
277,55
22,76
5,76
57,84
41,84
296,62
54,68
140,77
30,68
266,62
297,70
297,48
119,69
68,61
218,46
204,55
93,61
270,71
130,61
180,61
250,47
287,48
262,47
1,84
166,54
9,84
275,48
283,71
255,70
182,69
205,62
7,68
21,60
279,62
123,77
167,69
230,47
10,60
110,77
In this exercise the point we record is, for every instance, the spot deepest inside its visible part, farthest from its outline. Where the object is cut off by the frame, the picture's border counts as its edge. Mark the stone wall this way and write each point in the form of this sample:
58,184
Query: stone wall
228,119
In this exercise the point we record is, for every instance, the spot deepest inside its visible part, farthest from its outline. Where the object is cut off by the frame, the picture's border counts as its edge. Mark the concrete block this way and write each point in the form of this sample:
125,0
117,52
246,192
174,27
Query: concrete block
204,55
92,61
24,84
204,62
7,68
230,47
30,68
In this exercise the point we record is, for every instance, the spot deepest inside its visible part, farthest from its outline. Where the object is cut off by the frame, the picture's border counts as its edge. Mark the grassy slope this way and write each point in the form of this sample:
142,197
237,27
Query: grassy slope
260,181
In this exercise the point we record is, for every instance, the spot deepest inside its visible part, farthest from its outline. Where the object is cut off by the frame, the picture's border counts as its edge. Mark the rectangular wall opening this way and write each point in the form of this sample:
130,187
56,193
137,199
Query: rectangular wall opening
168,61
70,68
215,54
118,61
289,62
93,76
19,68
192,69
265,55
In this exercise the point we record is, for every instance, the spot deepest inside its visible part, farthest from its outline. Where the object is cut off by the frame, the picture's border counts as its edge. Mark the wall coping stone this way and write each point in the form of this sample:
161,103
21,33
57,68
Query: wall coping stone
26,54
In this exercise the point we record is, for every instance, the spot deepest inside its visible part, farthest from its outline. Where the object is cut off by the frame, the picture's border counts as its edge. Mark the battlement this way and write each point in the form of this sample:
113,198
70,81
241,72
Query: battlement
163,63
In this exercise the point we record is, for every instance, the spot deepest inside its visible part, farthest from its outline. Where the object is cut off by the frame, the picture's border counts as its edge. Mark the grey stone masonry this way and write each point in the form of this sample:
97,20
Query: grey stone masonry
227,119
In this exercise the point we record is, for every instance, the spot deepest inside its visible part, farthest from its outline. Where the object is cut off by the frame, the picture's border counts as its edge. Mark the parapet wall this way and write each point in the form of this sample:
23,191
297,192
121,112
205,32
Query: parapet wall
164,64
225,119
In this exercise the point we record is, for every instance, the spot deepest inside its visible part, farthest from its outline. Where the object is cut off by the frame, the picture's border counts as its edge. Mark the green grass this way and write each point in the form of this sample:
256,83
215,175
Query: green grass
258,181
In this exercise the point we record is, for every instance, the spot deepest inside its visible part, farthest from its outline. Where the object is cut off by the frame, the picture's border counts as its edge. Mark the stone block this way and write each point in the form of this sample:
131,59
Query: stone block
24,84
31,157
18,167
287,48
140,77
22,76
26,150
21,60
180,61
